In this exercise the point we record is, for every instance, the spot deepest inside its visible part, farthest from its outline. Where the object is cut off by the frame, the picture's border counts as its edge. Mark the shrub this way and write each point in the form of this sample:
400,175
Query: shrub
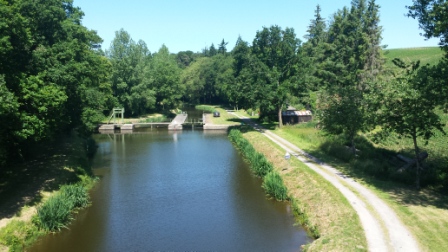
273,184
260,165
76,194
54,214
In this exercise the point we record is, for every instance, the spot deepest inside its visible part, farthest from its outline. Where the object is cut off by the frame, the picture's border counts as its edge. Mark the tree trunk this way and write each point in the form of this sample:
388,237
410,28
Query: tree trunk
352,140
417,171
280,122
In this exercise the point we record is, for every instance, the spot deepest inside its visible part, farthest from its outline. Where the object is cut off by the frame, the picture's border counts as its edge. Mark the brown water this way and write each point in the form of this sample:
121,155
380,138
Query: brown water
181,191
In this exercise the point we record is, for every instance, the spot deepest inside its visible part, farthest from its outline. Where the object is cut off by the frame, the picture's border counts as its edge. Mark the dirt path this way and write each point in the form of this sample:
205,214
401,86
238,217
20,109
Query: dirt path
384,231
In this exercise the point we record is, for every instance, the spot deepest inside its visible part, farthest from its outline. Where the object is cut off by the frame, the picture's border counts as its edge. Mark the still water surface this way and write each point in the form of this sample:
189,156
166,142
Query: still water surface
176,191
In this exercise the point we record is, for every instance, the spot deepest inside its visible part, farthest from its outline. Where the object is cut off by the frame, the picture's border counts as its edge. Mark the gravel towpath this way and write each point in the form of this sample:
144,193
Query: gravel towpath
383,229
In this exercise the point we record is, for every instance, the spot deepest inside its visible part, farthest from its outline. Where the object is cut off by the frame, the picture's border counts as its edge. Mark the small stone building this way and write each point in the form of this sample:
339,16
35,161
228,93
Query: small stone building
294,116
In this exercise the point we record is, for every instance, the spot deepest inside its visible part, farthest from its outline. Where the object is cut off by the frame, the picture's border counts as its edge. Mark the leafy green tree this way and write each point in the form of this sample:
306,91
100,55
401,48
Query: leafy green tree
185,58
163,74
222,49
205,52
313,53
316,32
278,51
408,107
129,62
191,78
432,16
433,19
49,65
207,79
212,51
351,66
223,66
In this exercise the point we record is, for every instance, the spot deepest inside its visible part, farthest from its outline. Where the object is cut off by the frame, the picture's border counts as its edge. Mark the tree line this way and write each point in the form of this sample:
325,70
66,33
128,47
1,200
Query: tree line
54,76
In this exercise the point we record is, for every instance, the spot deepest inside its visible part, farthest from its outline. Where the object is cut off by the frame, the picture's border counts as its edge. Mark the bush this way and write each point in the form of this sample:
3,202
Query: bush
273,184
259,164
56,212
76,194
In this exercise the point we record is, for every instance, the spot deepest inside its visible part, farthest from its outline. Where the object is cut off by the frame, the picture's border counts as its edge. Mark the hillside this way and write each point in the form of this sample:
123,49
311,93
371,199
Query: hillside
427,55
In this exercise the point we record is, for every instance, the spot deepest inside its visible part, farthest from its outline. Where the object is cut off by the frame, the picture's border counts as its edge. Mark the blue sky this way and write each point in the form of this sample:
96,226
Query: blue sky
194,24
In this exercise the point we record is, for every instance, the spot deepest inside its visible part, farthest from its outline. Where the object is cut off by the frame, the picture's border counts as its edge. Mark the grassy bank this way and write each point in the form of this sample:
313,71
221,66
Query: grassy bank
272,182
42,195
316,203
424,212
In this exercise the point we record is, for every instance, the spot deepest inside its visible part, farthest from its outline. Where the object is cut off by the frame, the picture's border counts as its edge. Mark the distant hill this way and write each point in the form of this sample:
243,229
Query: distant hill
426,55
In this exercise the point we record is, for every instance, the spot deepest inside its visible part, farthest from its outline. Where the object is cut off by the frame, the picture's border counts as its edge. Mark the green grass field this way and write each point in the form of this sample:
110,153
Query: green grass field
426,55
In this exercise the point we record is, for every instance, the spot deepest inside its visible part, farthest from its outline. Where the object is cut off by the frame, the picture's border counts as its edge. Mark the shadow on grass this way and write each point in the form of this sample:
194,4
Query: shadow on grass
21,183
376,166
409,196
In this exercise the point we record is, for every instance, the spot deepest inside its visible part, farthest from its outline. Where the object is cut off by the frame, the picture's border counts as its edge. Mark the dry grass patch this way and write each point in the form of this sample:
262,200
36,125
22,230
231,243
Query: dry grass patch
336,220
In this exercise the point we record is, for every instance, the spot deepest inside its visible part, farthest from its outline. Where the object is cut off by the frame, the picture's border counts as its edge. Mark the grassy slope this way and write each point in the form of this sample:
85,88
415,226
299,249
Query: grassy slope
426,55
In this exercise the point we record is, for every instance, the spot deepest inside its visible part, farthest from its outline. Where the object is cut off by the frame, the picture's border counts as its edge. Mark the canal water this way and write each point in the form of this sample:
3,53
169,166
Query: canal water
176,191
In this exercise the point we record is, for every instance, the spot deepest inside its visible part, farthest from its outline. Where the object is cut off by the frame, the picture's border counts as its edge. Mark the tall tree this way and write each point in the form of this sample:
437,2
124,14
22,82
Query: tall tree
313,51
408,107
49,65
277,50
222,49
185,58
242,91
352,63
208,79
432,16
316,32
193,81
129,61
164,79
212,51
